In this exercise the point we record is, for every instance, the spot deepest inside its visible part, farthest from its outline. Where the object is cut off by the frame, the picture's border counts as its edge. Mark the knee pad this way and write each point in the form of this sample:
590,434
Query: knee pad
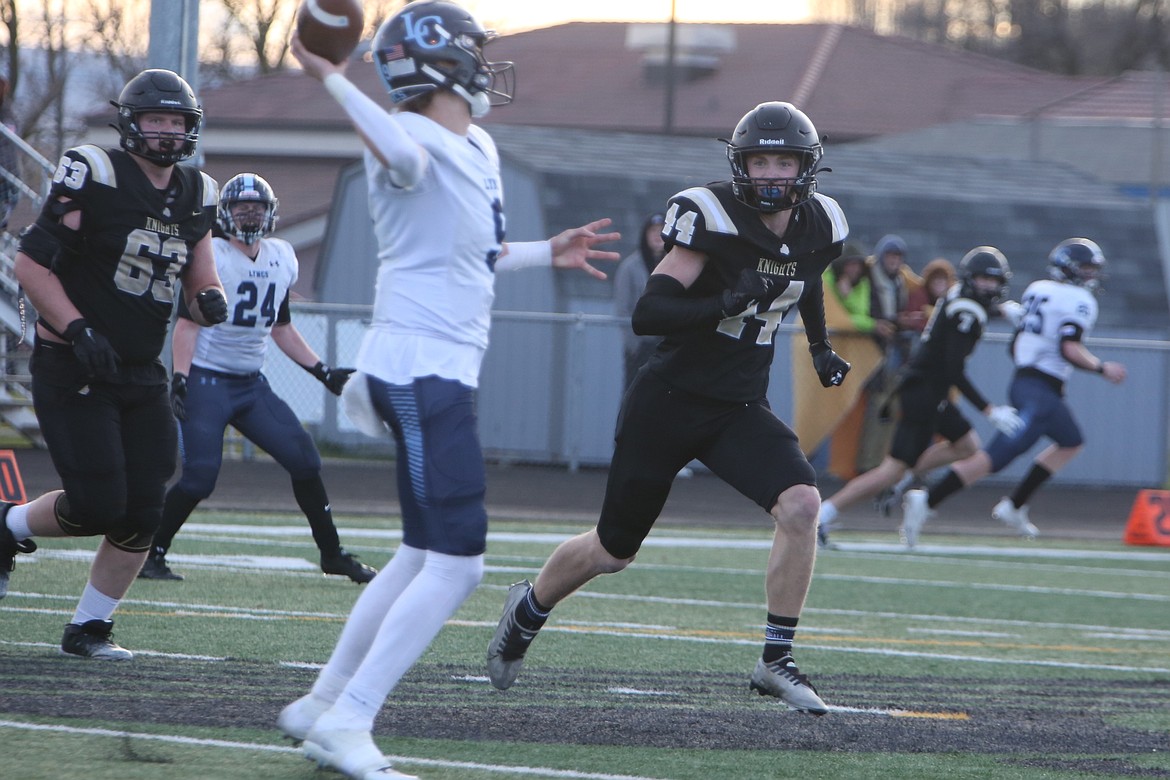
133,536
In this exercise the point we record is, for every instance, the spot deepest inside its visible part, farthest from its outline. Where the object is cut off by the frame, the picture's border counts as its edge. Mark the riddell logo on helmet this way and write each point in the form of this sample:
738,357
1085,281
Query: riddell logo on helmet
771,142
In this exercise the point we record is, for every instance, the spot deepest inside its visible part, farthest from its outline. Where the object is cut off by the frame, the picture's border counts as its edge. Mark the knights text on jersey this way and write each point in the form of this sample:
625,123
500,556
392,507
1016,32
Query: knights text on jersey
732,360
1053,311
256,290
136,241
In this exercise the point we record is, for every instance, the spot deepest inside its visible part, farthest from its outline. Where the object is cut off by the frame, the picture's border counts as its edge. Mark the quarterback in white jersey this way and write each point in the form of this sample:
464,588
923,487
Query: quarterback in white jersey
437,207
1057,315
217,380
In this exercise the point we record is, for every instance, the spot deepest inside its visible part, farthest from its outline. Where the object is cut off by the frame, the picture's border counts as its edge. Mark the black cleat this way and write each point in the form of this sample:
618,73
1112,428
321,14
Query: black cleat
347,565
93,639
9,547
155,568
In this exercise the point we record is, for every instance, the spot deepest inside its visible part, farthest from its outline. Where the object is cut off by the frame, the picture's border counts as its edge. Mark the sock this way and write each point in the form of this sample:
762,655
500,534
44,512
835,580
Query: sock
17,522
778,635
828,514
376,599
313,501
944,488
94,605
412,623
530,613
1036,477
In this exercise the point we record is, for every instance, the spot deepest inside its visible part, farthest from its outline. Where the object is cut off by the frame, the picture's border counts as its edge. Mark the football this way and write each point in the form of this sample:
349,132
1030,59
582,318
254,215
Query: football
330,28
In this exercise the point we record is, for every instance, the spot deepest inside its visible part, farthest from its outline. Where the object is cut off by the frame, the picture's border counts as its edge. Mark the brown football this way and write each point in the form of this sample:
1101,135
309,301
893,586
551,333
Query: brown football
330,28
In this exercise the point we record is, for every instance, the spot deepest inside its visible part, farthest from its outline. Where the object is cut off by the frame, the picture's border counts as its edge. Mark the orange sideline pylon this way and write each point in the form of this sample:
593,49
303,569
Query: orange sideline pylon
1149,520
11,485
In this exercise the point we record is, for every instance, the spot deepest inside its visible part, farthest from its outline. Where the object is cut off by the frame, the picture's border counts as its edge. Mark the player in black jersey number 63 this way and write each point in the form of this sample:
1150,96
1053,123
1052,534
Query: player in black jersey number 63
740,254
119,230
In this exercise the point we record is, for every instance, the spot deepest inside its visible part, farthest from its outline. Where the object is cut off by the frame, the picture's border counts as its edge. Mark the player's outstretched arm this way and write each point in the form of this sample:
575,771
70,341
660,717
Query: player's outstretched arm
382,135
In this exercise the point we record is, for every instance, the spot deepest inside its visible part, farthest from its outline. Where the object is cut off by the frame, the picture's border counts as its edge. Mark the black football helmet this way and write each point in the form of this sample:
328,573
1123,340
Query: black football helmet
774,127
1078,261
986,261
160,91
434,44
247,188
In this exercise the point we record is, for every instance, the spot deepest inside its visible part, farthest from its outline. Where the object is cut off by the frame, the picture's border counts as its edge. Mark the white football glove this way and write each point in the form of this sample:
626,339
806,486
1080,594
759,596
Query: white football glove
1005,420
1012,311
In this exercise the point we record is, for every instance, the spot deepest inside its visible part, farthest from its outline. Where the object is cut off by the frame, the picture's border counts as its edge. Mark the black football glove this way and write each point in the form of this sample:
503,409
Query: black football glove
179,395
93,350
831,367
212,305
334,379
752,287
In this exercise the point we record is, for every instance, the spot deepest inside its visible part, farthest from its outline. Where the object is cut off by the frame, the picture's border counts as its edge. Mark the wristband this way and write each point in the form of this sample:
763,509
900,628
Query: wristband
1100,369
526,254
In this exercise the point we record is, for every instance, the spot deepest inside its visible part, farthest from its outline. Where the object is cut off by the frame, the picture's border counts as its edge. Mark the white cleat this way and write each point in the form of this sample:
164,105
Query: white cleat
297,719
351,752
1007,513
915,513
784,681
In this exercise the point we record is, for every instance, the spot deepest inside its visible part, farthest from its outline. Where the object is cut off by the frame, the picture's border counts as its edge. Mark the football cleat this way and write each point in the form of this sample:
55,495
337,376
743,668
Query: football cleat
506,652
347,565
783,680
823,536
915,513
1007,513
352,753
9,547
155,568
297,719
92,639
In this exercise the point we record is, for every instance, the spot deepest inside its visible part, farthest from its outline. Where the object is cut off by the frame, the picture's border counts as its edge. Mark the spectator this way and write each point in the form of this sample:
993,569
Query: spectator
847,277
937,277
628,282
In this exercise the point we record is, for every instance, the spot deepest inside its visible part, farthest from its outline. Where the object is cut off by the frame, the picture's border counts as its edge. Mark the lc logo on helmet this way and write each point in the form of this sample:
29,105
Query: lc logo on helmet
426,33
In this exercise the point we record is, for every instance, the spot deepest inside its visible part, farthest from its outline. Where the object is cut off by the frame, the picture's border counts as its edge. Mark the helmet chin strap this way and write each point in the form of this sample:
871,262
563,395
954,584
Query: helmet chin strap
479,102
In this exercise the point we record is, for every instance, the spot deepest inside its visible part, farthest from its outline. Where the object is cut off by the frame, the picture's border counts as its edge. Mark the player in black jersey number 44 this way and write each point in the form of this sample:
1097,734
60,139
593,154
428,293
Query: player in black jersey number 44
118,232
740,254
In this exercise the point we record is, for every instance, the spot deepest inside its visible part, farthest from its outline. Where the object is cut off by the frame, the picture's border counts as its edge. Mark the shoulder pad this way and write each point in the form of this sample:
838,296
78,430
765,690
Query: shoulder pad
715,217
961,305
836,216
84,163
210,191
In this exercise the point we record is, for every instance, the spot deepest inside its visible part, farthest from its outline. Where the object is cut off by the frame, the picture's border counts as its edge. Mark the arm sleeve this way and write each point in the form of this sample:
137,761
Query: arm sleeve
387,139
812,310
283,315
664,308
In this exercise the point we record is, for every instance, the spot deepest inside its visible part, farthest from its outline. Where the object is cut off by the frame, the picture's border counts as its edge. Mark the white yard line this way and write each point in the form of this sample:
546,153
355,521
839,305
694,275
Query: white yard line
529,771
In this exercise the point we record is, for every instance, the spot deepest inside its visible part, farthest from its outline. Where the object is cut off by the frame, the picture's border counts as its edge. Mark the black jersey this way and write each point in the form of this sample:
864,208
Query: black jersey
731,361
940,358
135,241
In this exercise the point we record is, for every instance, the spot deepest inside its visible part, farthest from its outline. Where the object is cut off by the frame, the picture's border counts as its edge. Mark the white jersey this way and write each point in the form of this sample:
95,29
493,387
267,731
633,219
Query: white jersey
1052,311
437,246
255,289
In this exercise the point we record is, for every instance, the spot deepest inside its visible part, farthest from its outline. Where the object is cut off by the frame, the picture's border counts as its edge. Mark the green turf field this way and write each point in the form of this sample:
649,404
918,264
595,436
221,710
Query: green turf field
966,658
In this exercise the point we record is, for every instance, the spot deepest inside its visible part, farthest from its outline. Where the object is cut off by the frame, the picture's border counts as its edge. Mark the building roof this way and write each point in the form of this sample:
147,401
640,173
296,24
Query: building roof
606,75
